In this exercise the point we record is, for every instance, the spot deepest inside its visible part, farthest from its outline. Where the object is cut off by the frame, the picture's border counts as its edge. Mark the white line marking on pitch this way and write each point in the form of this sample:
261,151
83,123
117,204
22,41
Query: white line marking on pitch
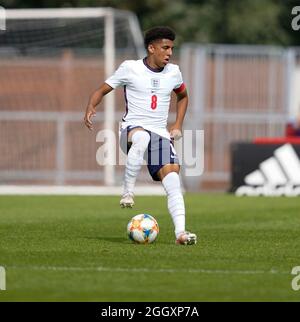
146,270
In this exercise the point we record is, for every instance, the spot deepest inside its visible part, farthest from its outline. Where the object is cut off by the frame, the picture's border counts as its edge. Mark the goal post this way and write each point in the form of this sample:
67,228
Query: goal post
40,33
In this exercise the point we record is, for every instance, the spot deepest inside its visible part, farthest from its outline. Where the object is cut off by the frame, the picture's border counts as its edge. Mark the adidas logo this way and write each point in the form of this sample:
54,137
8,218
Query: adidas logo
276,176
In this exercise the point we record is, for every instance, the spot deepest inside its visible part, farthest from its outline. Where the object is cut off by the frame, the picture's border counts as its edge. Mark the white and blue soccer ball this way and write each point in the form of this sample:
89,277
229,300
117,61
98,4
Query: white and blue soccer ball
143,229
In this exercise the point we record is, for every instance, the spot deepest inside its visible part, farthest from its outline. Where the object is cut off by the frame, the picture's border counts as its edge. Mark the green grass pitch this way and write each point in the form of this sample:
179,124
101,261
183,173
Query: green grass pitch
76,249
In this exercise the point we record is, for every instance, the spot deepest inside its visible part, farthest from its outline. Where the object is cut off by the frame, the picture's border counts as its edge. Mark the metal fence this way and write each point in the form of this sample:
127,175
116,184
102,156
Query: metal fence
237,93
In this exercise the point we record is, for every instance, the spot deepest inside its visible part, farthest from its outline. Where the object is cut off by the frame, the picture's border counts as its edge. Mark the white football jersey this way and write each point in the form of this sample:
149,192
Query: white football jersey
147,93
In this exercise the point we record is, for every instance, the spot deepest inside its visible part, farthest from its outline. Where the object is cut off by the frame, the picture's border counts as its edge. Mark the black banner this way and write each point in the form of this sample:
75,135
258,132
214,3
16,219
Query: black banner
127,311
247,158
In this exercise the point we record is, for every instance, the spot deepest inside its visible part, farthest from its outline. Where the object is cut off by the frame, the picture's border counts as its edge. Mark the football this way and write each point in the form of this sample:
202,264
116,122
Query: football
143,229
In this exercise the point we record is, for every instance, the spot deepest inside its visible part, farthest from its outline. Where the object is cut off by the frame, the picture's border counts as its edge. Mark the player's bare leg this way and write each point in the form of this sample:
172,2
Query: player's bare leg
171,182
140,140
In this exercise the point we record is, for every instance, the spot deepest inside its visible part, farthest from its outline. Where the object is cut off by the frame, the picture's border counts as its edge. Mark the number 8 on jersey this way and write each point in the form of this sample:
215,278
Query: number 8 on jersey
153,102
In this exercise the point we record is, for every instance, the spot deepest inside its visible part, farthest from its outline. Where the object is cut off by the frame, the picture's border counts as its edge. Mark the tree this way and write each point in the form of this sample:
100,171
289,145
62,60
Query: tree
205,21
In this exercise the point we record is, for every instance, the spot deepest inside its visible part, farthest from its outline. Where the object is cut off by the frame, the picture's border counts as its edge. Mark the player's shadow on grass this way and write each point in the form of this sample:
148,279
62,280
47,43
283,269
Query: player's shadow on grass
117,239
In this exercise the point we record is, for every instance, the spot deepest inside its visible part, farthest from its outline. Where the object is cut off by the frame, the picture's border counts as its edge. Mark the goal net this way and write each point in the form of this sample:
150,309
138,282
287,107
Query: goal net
50,62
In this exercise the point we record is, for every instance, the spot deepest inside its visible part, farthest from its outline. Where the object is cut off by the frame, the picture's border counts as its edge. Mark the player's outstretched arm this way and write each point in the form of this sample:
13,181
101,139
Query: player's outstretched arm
94,100
182,103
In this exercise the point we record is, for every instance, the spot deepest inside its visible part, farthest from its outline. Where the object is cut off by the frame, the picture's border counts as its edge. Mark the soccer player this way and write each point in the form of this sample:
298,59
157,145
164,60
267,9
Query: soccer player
148,84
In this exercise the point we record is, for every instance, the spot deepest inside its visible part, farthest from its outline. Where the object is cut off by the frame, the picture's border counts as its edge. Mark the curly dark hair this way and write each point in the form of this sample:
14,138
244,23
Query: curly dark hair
157,33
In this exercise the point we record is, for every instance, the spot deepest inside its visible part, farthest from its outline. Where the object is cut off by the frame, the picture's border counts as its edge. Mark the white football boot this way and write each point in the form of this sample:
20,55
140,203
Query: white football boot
186,238
127,200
